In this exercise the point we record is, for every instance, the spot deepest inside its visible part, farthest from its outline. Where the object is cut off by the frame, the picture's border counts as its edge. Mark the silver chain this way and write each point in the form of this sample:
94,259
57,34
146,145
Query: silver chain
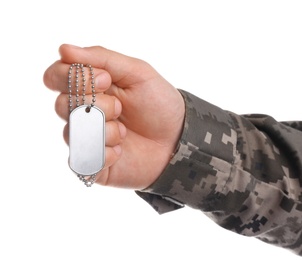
80,74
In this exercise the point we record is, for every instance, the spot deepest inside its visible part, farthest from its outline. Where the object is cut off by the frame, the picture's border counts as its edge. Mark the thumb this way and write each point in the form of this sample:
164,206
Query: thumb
124,70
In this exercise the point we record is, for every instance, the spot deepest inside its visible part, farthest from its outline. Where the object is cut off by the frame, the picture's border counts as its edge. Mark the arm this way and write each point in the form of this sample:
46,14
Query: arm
244,172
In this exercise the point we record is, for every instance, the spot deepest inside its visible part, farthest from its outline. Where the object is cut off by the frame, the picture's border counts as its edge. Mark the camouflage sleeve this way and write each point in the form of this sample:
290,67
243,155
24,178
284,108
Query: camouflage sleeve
244,172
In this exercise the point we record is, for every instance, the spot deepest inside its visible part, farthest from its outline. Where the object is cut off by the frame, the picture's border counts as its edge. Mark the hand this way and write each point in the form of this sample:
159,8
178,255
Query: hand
144,113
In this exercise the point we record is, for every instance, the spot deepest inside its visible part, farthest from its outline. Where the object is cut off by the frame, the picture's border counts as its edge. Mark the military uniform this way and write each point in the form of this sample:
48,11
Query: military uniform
244,172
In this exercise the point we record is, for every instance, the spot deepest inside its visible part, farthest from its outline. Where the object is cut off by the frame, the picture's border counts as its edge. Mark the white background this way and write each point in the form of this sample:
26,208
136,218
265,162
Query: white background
244,56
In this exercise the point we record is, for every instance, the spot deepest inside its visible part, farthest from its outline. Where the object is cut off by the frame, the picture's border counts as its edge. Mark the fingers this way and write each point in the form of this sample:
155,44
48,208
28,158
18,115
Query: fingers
56,78
123,69
109,67
110,105
115,133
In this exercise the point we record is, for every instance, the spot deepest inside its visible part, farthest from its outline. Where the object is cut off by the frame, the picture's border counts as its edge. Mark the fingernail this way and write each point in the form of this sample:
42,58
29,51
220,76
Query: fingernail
118,108
123,130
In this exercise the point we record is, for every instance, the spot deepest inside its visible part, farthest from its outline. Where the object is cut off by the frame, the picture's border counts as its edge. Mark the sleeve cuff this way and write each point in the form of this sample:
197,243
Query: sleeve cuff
201,166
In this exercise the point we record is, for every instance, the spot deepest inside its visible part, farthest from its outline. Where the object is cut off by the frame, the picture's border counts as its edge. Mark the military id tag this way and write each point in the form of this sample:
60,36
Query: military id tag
86,127
86,140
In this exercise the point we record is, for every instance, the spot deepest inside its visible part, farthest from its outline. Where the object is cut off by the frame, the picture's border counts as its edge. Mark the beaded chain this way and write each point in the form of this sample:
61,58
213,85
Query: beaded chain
80,67
80,74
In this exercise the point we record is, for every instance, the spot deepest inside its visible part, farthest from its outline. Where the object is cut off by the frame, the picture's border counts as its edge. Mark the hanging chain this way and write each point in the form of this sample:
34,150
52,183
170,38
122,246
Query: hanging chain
79,74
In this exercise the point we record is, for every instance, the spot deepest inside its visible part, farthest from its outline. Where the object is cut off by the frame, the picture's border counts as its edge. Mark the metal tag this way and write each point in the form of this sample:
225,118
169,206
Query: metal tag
86,140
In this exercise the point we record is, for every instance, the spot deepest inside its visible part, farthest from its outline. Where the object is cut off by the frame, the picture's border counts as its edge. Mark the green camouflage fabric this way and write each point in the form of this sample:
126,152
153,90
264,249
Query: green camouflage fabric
244,172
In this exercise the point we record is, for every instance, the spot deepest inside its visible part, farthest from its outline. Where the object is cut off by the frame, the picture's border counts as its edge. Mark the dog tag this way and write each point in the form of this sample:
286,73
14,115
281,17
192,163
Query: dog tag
86,140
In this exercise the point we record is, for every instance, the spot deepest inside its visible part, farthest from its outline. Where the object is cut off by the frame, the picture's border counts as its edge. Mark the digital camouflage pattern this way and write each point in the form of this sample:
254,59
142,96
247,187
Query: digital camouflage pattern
244,172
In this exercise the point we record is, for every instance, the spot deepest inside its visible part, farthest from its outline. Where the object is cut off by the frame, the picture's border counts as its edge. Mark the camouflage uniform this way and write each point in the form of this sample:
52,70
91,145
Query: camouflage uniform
244,172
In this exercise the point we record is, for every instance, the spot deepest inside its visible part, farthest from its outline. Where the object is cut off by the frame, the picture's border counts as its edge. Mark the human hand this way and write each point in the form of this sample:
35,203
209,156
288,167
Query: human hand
144,113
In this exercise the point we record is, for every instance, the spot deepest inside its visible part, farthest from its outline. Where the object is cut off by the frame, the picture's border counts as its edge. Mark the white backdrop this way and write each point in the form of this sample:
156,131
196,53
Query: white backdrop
234,54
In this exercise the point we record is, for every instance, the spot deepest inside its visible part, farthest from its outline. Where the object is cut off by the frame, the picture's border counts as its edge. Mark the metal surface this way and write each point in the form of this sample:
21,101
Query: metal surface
86,140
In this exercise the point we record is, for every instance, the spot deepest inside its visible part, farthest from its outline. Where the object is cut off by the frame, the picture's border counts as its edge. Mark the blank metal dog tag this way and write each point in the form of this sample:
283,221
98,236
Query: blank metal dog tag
86,140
